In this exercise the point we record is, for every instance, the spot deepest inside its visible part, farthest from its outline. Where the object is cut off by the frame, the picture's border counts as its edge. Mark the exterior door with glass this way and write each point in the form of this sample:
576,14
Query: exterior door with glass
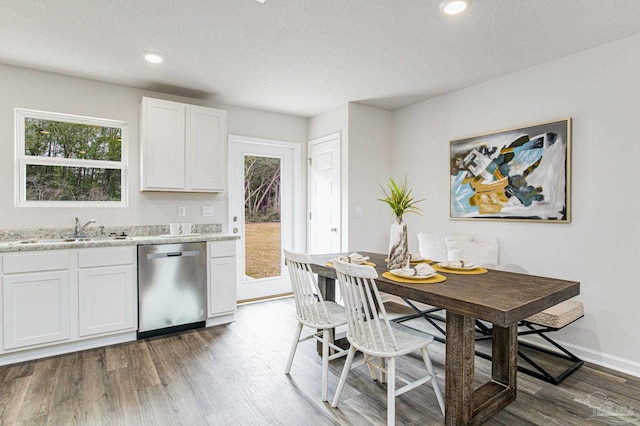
262,197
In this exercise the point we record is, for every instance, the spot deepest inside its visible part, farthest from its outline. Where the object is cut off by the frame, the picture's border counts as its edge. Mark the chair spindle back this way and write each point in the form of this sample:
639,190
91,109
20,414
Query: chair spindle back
305,289
368,323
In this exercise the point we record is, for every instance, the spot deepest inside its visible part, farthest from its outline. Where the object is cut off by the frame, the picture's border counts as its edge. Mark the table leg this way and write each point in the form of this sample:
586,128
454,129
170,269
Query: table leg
459,369
463,404
504,367
327,287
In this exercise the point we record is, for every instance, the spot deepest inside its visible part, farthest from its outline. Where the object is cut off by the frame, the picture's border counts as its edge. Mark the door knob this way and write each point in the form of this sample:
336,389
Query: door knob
235,230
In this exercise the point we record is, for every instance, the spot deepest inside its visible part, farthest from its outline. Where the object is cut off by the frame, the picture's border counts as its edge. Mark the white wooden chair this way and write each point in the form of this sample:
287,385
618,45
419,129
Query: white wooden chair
371,332
314,312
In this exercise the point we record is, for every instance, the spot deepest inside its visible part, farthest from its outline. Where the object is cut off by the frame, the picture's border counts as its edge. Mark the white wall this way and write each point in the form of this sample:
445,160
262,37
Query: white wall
332,121
369,166
600,89
366,157
53,92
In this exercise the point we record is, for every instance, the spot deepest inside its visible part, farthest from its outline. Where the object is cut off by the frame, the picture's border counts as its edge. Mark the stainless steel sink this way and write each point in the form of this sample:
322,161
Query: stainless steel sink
115,238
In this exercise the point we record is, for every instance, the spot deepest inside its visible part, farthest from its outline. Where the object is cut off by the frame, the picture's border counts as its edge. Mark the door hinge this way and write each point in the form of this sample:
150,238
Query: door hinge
309,215
309,159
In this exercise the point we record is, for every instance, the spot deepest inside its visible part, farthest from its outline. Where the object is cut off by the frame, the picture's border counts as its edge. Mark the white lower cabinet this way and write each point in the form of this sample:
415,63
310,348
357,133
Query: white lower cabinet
36,308
222,277
53,297
106,291
36,301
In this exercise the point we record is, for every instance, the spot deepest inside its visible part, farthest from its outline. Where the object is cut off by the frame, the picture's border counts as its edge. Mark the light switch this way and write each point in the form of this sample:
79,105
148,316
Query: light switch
182,211
207,210
358,212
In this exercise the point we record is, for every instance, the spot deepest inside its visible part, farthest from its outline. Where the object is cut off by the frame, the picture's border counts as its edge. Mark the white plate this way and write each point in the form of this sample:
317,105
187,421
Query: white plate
446,265
400,273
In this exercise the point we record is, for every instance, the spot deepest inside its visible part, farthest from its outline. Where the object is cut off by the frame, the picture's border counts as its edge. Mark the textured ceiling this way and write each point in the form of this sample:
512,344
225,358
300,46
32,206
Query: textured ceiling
304,57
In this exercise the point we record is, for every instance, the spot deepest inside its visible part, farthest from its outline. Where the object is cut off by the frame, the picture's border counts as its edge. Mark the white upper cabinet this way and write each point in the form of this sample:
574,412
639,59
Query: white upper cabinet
183,147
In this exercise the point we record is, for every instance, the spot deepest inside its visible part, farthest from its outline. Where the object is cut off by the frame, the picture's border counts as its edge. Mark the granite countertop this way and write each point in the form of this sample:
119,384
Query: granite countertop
29,240
13,246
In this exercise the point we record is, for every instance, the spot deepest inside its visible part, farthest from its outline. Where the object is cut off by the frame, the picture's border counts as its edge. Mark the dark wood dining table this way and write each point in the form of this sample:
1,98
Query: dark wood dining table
501,298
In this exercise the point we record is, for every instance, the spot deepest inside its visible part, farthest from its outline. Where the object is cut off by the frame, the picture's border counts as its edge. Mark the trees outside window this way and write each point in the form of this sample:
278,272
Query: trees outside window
65,159
262,209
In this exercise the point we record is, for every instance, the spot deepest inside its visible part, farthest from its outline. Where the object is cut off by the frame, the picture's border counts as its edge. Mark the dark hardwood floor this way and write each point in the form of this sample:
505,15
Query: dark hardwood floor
233,375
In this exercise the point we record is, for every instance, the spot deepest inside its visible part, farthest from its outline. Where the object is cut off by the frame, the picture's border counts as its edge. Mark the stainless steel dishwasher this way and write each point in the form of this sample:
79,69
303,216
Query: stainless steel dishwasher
172,288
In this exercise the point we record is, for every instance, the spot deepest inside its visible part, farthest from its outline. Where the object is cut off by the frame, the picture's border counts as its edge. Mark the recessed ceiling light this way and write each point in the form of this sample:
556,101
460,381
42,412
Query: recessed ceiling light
453,7
154,58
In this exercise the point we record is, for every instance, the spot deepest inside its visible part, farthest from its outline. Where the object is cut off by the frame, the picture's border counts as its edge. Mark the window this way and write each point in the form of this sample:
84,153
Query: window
67,160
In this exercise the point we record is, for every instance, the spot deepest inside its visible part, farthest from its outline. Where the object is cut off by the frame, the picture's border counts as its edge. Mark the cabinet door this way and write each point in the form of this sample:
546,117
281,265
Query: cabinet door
163,145
207,142
222,285
36,308
107,300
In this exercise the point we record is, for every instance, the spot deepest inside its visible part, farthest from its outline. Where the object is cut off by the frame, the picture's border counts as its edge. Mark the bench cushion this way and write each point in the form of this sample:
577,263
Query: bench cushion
482,252
433,246
559,315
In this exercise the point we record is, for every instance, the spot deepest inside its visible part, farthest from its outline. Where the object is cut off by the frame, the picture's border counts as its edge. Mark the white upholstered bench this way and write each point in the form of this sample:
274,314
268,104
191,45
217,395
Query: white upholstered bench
547,321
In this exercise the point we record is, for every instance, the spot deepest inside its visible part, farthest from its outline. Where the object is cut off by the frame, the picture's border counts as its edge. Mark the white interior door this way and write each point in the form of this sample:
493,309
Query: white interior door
325,228
263,193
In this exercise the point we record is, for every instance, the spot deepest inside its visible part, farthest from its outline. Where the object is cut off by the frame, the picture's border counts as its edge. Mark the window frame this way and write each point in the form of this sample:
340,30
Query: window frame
22,160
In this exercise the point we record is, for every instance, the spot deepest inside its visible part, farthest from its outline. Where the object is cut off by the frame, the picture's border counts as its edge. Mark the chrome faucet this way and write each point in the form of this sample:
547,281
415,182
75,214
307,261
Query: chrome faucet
80,229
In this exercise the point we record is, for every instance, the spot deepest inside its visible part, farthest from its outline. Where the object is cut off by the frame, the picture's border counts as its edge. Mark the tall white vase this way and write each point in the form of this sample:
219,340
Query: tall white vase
398,245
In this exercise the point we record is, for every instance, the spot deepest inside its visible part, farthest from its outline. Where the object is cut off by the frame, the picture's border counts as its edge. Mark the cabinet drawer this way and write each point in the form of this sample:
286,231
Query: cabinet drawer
222,248
51,260
91,258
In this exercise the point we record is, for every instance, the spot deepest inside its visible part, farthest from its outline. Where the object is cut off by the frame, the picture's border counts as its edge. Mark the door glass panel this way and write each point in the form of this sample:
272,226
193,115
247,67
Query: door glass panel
262,208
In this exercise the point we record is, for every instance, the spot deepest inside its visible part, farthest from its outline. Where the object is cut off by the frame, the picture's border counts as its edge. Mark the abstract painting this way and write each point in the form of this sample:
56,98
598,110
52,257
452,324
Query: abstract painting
519,174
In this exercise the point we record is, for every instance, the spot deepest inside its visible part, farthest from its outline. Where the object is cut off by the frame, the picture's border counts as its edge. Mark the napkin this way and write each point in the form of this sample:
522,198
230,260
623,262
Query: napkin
356,258
420,270
415,256
460,264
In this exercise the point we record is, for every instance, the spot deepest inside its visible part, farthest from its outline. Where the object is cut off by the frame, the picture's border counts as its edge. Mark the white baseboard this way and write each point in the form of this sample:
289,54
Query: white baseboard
598,358
64,348
221,319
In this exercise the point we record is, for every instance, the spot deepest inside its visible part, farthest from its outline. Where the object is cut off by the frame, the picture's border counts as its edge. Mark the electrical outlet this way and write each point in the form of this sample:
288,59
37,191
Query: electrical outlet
359,212
182,211
207,210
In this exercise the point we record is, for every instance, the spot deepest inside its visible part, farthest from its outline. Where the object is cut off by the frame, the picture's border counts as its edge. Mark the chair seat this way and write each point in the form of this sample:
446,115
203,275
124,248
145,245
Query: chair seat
336,313
408,340
559,315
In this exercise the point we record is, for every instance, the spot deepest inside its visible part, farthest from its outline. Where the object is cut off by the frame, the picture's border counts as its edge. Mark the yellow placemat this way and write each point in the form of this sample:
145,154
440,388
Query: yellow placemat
476,271
437,278
330,264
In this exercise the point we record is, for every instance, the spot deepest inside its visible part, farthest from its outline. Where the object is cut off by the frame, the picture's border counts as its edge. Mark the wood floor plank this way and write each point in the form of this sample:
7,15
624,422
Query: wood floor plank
36,403
234,375
12,398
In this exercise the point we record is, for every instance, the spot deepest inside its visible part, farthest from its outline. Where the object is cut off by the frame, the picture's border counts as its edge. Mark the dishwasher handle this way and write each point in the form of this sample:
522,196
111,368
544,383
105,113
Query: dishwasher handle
173,254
